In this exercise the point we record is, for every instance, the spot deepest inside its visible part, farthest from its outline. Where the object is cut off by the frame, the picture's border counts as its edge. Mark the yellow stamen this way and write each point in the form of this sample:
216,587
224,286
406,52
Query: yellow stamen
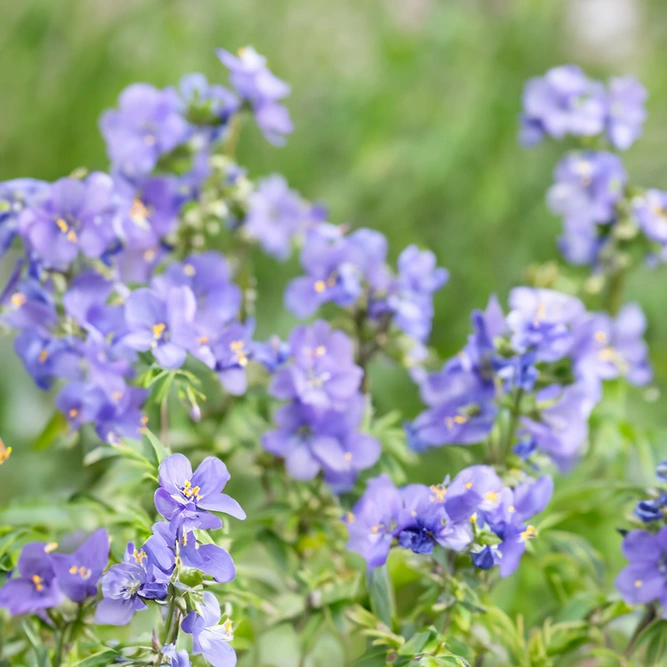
38,582
638,583
320,286
149,255
492,496
73,569
138,211
468,485
473,518
203,340
189,270
117,395
348,456
5,452
375,529
62,225
601,337
158,330
511,509
320,351
51,546
529,533
438,491
349,517
539,315
43,356
73,413
18,299
139,556
71,236
84,572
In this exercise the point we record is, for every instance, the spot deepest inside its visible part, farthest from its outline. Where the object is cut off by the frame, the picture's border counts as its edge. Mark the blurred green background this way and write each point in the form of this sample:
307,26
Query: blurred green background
406,121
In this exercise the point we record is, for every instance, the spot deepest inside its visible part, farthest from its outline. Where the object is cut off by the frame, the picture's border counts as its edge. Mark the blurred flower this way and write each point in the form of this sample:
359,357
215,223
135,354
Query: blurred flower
15,195
626,111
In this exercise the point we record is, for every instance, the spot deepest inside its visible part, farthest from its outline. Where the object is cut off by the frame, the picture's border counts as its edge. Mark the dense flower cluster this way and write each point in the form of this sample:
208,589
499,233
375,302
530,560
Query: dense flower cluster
550,355
457,516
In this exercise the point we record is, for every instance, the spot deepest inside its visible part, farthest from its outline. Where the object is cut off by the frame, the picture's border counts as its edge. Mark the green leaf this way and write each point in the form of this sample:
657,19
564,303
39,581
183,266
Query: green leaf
106,657
654,641
55,427
381,594
159,450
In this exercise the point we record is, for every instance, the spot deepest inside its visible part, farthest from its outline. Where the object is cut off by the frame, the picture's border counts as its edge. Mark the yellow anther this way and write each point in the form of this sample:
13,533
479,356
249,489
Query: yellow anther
236,345
184,541
117,395
320,286
51,546
529,533
461,419
320,351
468,485
539,315
18,299
349,517
71,236
439,491
492,496
189,270
375,529
139,556
84,572
149,255
601,337
73,569
38,582
203,340
5,452
348,456
608,354
62,225
511,509
638,583
138,211
43,356
73,413
158,330
473,518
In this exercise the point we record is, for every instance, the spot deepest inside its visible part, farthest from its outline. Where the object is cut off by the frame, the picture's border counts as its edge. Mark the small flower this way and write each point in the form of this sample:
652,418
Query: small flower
35,587
79,573
645,578
15,195
208,637
186,498
626,111
176,658
651,213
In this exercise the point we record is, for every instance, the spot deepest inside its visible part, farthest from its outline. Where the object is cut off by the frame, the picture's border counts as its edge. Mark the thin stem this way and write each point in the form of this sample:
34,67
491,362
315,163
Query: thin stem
164,422
232,140
614,296
648,618
514,422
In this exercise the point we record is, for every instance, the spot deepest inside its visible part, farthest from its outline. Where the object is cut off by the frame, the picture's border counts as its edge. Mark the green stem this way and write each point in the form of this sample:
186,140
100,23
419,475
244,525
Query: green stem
514,422
648,618
614,296
232,140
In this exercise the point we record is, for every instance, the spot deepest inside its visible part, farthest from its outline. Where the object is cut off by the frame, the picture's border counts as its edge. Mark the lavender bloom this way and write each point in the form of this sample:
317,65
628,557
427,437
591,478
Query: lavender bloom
121,416
542,320
35,587
272,354
163,325
651,214
411,297
323,373
78,573
372,523
476,488
186,499
208,277
231,353
30,305
564,101
626,111
644,580
651,510
606,348
563,428
208,638
75,216
261,89
276,214
147,125
125,587
209,105
587,187
15,195
176,658
311,440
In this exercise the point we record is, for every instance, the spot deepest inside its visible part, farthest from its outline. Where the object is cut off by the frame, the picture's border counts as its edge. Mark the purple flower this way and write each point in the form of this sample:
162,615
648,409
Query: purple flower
423,521
563,426
651,214
564,101
587,187
645,578
186,499
208,277
76,216
261,89
607,348
272,354
542,320
121,416
162,324
209,105
176,658
15,195
410,299
147,125
323,373
310,440
30,305
626,111
372,522
275,216
125,588
230,354
78,573
35,587
208,637
476,488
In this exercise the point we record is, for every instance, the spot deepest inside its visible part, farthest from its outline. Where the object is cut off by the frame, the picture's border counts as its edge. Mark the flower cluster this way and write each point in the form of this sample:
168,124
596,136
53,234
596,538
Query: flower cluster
319,429
476,512
186,500
547,357
566,102
45,578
